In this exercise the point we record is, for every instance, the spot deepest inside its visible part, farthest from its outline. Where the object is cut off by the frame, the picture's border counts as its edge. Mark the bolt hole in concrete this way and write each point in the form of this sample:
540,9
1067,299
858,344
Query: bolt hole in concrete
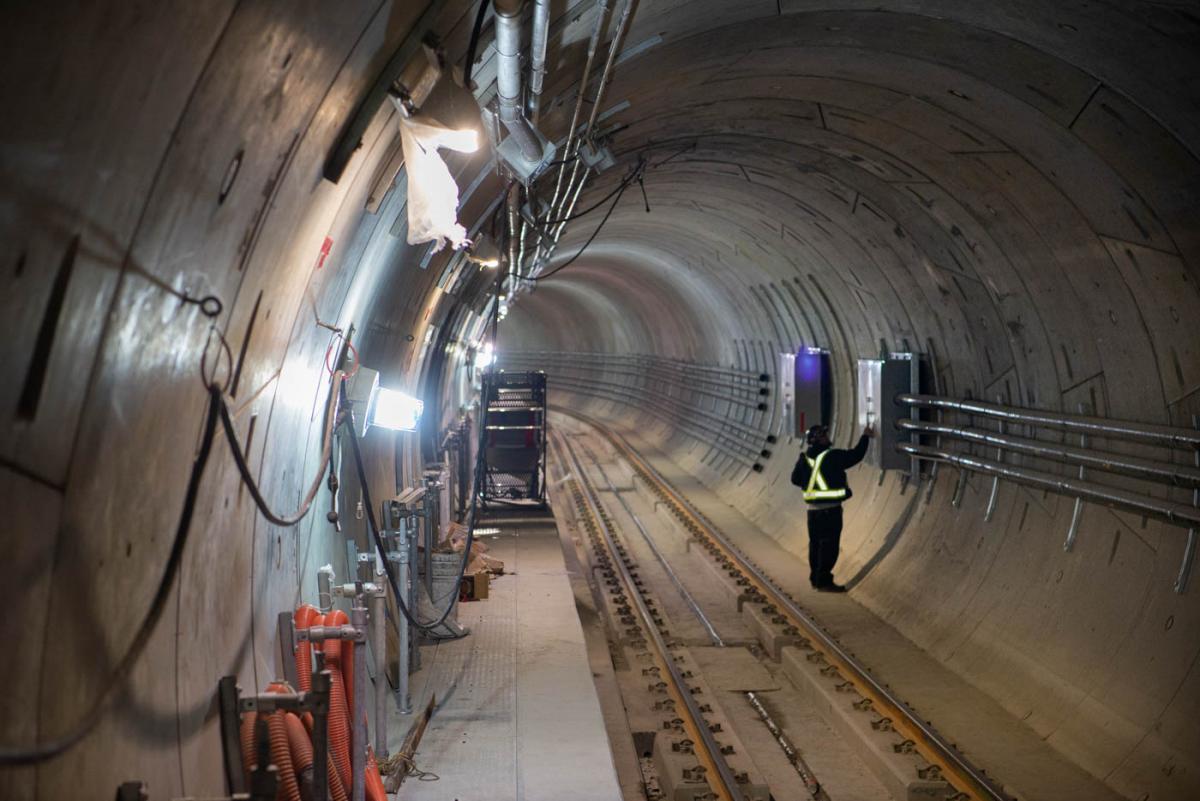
231,173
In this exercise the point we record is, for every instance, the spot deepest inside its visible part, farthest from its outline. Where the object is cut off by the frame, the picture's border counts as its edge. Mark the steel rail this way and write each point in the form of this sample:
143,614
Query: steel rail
955,767
790,752
717,771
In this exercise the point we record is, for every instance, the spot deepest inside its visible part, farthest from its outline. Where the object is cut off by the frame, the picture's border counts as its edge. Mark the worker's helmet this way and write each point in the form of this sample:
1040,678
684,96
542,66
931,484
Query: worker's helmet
815,433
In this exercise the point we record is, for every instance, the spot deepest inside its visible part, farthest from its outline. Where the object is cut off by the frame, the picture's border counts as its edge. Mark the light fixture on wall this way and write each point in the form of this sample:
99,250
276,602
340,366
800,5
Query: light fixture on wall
484,357
385,408
391,408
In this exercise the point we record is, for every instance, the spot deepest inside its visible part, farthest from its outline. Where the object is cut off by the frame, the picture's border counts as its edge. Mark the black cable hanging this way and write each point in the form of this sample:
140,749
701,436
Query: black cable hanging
49,750
579,253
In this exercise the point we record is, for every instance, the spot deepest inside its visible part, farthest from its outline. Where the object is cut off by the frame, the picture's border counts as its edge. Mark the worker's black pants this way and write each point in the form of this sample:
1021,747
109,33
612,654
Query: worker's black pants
824,539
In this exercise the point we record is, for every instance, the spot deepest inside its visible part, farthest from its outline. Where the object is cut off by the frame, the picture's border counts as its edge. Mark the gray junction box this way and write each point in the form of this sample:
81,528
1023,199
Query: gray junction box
879,382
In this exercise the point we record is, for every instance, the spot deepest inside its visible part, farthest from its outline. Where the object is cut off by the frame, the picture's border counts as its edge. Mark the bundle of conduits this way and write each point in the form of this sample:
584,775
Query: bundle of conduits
291,748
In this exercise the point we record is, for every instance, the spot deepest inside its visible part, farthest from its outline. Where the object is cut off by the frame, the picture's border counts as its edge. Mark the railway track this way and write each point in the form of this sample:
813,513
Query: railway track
947,767
628,595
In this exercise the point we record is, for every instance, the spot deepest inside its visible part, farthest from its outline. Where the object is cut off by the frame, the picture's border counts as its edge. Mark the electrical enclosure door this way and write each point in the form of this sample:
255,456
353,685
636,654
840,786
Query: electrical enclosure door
879,383
867,404
787,394
813,389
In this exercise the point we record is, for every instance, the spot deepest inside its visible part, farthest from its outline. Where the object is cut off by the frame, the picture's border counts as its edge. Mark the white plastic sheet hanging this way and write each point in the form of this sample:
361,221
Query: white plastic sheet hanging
432,192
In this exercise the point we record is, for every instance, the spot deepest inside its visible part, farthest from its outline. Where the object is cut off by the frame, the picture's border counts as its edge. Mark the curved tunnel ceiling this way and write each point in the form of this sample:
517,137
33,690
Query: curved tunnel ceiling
1009,187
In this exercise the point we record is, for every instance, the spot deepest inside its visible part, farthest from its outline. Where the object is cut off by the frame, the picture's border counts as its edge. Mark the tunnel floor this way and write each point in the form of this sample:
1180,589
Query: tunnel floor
516,711
545,698
989,735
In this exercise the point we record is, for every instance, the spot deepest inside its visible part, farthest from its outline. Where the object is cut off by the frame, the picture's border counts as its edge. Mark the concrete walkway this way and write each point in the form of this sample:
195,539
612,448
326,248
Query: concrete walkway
517,715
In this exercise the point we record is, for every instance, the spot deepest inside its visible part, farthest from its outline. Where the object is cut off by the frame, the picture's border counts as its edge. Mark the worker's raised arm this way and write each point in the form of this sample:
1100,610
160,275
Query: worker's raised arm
856,454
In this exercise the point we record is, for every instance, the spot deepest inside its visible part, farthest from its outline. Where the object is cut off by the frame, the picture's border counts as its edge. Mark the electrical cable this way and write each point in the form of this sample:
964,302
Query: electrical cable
378,538
239,458
579,253
468,68
637,174
45,751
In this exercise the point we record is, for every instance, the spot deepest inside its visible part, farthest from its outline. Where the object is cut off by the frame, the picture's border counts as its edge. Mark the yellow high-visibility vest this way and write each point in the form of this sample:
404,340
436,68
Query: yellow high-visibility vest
817,489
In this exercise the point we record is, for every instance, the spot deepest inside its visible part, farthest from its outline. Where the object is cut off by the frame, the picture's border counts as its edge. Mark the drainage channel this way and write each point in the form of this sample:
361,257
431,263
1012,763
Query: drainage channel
947,767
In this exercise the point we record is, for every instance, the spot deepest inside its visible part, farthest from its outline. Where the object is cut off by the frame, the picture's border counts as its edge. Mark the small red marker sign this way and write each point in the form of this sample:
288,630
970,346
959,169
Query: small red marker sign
325,248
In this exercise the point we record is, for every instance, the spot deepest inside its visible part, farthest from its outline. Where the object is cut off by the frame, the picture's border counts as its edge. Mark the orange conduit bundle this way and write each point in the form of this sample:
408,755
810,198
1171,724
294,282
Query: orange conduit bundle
305,615
375,789
291,736
281,748
292,753
281,755
345,653
339,710
249,752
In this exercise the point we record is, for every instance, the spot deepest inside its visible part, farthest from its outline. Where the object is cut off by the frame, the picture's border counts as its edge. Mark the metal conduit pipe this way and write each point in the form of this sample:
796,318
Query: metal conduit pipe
1180,475
508,77
1175,513
605,74
1097,426
615,45
601,13
537,55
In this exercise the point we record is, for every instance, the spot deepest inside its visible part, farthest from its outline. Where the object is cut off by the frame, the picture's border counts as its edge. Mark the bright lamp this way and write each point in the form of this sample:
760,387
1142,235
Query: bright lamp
390,408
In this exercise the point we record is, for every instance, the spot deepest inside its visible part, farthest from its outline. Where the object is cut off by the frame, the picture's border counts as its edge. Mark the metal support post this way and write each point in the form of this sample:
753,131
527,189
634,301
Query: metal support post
1077,511
995,493
227,698
287,648
1189,549
959,488
400,557
379,645
412,587
358,737
320,735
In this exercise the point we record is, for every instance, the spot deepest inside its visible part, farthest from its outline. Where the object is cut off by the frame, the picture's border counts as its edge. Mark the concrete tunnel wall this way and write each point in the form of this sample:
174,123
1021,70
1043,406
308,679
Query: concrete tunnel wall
1008,187
1000,191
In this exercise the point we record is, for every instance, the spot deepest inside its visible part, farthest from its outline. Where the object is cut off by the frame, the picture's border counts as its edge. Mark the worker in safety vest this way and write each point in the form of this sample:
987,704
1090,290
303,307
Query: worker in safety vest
821,471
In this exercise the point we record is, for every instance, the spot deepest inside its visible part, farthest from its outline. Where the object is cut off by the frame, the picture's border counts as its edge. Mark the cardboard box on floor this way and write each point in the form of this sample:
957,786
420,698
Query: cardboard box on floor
475,586
479,562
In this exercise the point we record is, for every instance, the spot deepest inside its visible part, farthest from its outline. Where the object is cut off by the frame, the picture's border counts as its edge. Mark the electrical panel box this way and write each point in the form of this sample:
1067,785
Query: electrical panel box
880,381
787,393
813,380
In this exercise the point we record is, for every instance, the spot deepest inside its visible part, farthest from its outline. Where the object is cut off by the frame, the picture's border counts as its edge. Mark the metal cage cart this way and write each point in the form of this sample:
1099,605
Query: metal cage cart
514,414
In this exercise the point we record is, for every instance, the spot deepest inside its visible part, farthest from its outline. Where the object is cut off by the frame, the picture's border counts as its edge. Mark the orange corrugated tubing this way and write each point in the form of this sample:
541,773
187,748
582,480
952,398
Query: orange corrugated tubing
303,617
281,749
249,753
281,755
335,782
339,711
346,653
299,743
375,789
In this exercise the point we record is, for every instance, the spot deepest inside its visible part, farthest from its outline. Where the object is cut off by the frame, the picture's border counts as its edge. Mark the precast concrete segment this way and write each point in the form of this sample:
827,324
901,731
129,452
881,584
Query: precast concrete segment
1010,186
954,765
